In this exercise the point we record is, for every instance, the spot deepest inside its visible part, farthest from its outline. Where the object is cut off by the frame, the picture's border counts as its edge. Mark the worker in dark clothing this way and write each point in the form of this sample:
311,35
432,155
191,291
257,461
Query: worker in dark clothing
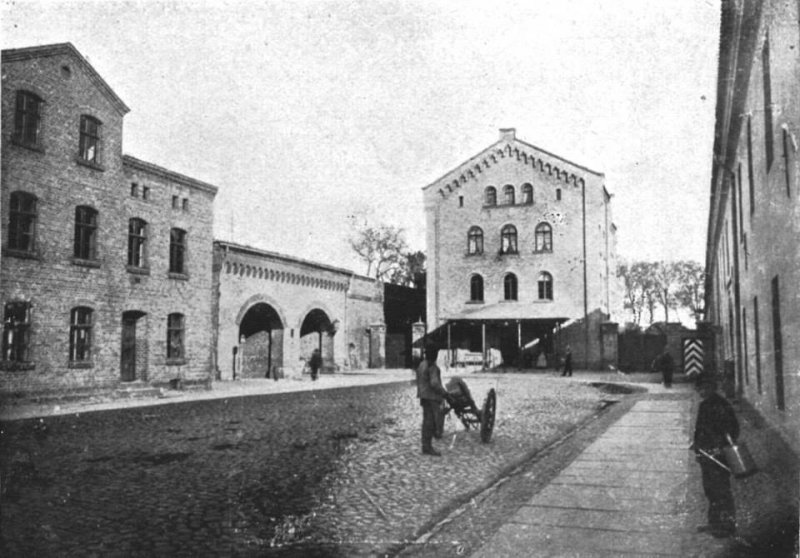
431,393
665,364
715,428
315,363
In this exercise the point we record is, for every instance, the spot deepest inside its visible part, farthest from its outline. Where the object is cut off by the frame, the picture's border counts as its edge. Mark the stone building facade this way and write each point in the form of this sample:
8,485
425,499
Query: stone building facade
521,257
106,260
753,253
273,310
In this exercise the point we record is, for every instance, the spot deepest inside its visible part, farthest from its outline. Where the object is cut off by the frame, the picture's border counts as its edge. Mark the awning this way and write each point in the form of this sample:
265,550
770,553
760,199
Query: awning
505,311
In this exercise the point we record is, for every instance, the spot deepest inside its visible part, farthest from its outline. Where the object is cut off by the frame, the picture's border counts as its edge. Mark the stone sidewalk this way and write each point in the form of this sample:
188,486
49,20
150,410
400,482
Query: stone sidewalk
636,491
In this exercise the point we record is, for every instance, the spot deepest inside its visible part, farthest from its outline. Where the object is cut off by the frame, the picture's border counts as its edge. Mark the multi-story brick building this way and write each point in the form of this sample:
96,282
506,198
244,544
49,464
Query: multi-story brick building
753,252
521,252
273,310
106,259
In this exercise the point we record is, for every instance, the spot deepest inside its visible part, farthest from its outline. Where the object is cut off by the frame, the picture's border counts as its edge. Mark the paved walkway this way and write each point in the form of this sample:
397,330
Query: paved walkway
637,491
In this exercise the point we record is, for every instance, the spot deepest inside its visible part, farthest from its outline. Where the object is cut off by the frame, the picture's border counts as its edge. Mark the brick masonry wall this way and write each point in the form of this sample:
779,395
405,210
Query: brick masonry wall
52,281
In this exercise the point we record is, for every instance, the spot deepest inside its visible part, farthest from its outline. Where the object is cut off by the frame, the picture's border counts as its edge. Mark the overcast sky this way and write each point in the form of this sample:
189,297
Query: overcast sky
306,112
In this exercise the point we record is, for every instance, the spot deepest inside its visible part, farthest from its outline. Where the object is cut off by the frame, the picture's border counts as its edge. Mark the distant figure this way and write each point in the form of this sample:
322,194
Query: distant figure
315,363
431,393
716,421
666,365
568,363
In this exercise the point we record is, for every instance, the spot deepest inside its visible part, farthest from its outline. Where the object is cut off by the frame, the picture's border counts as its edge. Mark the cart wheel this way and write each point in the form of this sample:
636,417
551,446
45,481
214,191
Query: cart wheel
487,416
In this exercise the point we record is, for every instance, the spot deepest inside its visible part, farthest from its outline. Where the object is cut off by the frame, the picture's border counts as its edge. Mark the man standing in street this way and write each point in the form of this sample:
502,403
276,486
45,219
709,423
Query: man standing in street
716,423
315,363
665,364
431,393
568,363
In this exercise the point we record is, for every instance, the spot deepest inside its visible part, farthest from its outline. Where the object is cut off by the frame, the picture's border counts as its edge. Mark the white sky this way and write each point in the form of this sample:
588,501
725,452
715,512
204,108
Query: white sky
304,112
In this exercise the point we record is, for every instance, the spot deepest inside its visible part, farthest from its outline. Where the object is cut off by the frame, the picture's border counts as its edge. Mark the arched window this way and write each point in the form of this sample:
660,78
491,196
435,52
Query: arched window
510,286
80,334
544,238
527,194
22,222
85,245
508,240
508,194
545,286
27,118
491,195
475,241
137,242
476,288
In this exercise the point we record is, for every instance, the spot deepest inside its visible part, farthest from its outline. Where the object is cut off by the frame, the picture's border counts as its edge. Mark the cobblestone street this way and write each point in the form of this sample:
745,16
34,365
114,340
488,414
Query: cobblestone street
327,472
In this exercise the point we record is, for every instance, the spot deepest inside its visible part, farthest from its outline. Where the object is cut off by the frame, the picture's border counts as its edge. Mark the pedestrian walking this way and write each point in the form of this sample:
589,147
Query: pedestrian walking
315,363
716,427
431,393
567,363
665,364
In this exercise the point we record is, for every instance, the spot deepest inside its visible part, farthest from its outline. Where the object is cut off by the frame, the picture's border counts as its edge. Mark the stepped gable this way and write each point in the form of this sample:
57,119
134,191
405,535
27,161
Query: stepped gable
511,148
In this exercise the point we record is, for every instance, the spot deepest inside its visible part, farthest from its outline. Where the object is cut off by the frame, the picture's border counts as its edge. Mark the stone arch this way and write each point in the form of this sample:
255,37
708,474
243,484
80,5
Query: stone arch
261,325
317,328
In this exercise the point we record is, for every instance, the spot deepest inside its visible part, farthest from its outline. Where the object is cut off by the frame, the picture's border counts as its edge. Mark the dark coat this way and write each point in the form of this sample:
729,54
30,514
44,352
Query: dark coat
715,419
429,382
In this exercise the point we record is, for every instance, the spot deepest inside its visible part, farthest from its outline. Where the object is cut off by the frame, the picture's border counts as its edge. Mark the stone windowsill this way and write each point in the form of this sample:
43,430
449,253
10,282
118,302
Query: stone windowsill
179,276
175,361
80,364
13,366
32,146
90,164
137,270
86,263
22,254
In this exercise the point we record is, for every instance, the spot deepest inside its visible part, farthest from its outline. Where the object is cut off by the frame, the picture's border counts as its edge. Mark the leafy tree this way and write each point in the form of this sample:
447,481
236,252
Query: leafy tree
382,247
690,293
411,270
639,295
665,277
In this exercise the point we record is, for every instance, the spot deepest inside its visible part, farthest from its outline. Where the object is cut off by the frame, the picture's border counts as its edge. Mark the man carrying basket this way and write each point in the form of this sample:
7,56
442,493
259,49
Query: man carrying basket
716,427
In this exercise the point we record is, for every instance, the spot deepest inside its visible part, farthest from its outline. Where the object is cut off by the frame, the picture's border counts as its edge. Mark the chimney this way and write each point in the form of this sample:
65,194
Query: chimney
507,134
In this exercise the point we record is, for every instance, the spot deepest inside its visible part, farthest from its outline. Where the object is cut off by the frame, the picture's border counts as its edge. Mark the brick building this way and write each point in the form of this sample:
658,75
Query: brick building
106,259
521,252
273,310
753,253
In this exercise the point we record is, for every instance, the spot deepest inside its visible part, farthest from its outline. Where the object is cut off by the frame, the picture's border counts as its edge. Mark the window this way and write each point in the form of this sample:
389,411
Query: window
80,335
460,201
28,118
510,287
768,133
90,138
185,206
175,333
145,192
544,238
177,251
558,194
16,332
137,240
476,288
176,202
22,222
475,241
527,194
545,286
508,240
508,194
85,233
491,196
134,190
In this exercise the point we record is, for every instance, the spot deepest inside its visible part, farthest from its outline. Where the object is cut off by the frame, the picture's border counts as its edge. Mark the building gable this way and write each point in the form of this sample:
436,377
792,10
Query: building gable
509,148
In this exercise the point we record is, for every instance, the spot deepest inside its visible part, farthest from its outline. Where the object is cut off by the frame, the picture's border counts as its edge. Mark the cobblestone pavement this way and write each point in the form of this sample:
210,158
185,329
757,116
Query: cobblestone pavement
324,472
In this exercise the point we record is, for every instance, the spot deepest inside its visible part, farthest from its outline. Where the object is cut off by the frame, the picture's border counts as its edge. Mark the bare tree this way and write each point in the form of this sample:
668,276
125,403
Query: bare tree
639,289
382,247
666,277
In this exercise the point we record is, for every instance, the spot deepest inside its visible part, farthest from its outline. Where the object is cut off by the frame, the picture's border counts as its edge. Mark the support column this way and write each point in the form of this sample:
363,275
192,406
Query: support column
449,346
377,345
483,343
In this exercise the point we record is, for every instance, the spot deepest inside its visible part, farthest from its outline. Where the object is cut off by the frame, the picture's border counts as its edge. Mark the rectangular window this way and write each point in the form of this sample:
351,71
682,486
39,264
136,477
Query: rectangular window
786,162
134,190
768,131
137,240
186,204
16,332
90,138
177,251
27,119
176,202
175,334
750,165
80,335
558,194
145,192
777,337
757,334
22,222
85,233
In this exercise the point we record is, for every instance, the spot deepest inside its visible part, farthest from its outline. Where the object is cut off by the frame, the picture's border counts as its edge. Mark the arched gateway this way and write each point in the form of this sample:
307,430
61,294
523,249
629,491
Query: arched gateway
260,350
317,332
